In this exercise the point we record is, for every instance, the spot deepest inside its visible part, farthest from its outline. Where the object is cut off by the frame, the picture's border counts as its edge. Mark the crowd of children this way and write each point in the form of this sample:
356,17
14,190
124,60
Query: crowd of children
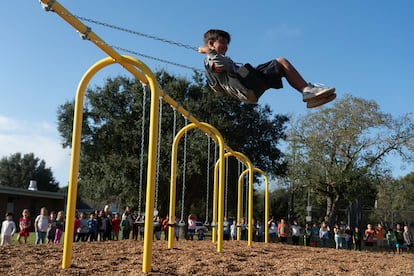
104,225
394,240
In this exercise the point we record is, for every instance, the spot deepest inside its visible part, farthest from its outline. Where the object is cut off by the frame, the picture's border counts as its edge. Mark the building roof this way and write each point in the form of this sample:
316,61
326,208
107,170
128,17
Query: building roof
25,192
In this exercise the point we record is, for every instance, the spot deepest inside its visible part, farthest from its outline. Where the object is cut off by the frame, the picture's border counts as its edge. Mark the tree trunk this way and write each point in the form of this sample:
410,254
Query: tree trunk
331,209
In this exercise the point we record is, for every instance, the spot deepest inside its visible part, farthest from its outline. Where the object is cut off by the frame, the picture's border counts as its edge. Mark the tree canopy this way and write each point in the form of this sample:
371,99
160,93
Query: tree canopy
340,152
110,167
17,171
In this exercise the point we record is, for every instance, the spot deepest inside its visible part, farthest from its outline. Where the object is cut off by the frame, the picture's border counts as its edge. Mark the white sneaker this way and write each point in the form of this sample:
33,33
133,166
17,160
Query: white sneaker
315,91
320,101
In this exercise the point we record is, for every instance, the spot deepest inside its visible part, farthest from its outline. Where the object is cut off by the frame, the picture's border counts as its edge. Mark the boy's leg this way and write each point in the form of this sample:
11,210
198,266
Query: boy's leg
287,70
309,91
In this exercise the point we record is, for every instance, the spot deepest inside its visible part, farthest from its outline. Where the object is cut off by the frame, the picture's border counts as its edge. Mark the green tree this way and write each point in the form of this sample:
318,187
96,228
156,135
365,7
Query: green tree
17,171
340,152
401,193
111,140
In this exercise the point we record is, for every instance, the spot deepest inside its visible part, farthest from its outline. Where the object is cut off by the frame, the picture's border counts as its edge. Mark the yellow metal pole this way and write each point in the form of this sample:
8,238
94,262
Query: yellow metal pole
173,192
75,156
250,199
151,174
173,182
87,33
215,203
239,202
266,198
266,203
145,76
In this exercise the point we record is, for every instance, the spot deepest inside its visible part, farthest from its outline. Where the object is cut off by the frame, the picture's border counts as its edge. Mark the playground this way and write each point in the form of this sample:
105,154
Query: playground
155,257
201,258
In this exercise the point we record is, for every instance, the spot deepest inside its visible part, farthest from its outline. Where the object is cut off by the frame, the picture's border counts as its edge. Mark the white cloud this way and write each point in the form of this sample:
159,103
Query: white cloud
40,138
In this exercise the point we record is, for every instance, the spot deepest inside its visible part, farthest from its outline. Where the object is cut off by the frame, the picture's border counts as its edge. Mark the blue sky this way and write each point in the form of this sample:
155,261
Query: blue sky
364,48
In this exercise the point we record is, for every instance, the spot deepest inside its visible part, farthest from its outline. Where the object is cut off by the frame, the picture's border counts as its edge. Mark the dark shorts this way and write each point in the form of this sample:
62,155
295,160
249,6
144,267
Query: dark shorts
271,74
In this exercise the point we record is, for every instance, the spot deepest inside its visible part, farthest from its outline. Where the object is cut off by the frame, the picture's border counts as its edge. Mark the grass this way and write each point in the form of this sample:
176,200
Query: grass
30,240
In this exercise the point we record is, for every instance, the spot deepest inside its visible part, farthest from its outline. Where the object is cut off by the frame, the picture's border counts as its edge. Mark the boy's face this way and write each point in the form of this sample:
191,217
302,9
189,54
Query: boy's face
220,45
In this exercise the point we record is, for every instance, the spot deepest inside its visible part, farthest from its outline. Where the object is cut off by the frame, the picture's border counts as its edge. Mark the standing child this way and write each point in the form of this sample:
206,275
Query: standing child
369,236
76,225
379,234
348,237
338,237
8,228
296,232
307,234
24,224
92,227
191,226
408,238
83,228
233,230
324,234
51,229
357,239
41,224
272,224
101,225
246,83
399,234
391,239
60,224
116,225
315,235
283,231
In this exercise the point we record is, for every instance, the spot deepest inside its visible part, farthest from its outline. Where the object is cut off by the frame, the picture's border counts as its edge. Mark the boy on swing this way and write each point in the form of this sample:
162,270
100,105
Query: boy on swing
247,83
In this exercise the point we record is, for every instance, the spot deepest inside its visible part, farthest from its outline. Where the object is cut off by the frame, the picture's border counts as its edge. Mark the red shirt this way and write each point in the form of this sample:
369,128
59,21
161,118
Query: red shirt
115,224
24,224
283,230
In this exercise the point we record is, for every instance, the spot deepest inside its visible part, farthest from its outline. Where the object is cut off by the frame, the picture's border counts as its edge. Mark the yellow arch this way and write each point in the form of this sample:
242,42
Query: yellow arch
204,127
239,201
218,218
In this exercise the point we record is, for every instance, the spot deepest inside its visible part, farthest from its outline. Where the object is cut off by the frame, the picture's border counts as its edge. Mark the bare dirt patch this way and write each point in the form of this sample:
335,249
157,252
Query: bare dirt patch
200,258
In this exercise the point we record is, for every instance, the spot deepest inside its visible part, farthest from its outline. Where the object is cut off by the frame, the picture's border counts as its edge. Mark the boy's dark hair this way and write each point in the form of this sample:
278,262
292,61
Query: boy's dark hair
214,34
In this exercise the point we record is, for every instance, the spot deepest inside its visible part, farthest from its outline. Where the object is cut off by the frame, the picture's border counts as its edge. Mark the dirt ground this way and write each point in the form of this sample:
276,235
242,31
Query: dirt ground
200,258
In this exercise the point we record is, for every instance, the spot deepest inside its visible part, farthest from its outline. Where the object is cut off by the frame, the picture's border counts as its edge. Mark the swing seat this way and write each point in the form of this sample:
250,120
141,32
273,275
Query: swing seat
181,224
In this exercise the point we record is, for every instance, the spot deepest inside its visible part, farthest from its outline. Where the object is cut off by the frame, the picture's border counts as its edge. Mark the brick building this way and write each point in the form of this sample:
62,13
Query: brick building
14,200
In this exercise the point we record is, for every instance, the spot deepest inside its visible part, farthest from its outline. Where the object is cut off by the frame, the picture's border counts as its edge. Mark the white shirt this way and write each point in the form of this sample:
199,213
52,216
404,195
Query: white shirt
295,230
8,228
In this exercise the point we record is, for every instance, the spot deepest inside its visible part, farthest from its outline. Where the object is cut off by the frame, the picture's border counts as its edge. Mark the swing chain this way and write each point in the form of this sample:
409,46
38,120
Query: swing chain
158,156
122,29
85,36
141,170
208,175
184,171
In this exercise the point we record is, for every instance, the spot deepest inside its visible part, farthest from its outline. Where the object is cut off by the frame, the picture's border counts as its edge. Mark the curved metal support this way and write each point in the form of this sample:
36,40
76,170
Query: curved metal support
239,201
173,184
75,156
220,216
